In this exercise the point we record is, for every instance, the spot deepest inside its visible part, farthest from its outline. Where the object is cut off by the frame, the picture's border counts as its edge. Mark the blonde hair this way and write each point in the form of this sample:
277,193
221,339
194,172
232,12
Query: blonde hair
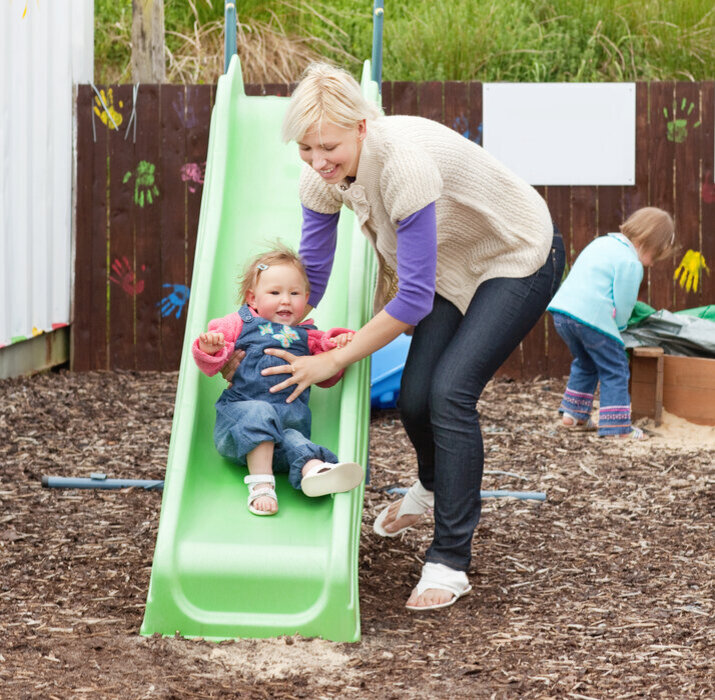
279,255
651,229
325,94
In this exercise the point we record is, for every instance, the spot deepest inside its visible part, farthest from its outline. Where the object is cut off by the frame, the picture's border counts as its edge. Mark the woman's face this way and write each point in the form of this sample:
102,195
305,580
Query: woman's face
333,151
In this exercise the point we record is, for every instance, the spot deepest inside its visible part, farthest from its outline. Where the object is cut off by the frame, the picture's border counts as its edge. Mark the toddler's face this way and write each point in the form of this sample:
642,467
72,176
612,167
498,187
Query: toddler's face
280,294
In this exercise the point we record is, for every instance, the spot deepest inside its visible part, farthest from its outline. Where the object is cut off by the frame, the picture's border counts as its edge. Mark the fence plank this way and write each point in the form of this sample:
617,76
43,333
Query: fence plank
199,101
456,106
99,356
147,225
82,326
387,98
662,167
404,98
173,235
430,101
707,190
636,197
687,194
125,281
558,357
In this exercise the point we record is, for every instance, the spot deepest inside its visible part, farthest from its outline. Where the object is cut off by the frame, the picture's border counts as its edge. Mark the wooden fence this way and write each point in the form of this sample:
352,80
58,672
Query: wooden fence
139,182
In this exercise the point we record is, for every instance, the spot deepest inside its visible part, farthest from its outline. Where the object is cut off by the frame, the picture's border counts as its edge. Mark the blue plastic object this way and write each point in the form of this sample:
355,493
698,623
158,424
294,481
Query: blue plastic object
386,372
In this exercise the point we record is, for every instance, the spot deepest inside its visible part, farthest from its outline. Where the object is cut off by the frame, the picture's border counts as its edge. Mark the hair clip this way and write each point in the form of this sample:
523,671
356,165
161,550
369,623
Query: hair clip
262,266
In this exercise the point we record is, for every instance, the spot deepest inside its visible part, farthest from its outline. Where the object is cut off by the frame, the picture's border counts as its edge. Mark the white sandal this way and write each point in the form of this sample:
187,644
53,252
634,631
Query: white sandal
326,478
441,577
253,481
576,425
417,501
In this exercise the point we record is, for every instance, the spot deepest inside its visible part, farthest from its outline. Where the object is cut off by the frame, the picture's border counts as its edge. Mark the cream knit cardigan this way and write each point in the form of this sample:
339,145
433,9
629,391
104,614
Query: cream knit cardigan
490,223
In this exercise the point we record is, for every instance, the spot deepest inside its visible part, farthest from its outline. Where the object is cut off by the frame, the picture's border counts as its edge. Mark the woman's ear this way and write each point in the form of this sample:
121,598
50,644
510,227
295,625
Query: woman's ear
362,129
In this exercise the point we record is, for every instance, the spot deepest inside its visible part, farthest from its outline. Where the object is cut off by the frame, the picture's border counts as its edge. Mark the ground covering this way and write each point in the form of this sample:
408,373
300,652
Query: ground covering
604,590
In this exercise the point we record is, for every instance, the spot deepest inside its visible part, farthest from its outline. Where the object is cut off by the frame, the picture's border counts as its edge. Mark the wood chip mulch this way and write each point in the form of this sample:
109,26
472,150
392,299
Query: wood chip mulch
603,591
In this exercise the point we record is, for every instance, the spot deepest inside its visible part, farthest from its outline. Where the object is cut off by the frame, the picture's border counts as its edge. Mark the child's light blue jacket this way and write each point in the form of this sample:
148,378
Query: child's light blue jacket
602,287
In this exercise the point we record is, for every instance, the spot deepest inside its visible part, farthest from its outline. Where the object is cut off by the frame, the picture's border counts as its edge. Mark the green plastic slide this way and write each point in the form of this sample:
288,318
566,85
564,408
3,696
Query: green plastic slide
220,572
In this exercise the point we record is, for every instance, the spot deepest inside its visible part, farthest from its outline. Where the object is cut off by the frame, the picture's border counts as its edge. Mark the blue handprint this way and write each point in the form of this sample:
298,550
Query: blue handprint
175,300
461,124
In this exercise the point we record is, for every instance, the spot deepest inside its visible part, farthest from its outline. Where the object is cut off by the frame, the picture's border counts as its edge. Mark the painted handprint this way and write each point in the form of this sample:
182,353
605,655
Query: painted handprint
125,277
175,300
690,270
461,124
678,126
144,184
193,173
110,117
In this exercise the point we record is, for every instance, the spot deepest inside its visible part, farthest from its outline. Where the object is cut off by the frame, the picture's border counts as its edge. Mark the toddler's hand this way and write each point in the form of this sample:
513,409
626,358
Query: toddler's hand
340,341
211,343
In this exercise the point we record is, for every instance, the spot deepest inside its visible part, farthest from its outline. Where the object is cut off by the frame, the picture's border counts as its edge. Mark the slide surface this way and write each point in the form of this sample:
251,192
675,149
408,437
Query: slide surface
220,572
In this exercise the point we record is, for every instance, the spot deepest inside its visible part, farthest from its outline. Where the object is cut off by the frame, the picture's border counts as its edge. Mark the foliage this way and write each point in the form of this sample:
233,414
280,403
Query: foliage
487,40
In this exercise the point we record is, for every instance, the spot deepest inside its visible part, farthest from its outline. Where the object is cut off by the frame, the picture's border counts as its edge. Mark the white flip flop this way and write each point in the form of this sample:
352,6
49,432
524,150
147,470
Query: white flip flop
327,478
441,577
253,480
417,501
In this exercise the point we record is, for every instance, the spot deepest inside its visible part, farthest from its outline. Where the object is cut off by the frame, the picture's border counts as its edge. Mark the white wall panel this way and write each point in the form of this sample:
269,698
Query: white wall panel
46,46
563,133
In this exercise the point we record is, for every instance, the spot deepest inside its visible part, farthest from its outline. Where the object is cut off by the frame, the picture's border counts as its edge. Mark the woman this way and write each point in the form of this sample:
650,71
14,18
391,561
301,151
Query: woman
468,258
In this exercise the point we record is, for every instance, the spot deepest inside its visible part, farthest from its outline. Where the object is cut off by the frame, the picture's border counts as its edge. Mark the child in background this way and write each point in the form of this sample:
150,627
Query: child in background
590,309
255,427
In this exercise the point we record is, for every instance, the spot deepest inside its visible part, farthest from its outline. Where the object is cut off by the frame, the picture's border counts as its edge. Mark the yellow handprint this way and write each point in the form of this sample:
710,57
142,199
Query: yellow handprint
690,268
109,116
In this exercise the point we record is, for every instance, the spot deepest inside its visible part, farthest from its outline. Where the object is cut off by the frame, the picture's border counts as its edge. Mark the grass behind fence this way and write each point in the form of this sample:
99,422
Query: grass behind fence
485,40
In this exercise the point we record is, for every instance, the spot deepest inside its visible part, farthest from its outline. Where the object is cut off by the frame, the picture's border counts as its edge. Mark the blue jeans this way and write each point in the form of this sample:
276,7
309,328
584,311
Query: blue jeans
243,425
451,359
596,357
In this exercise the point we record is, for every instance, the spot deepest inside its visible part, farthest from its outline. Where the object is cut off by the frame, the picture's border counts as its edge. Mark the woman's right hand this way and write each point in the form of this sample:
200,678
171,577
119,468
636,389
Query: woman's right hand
234,360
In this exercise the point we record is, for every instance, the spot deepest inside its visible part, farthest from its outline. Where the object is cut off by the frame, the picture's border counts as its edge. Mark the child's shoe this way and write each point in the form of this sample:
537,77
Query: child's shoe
327,478
254,481
570,422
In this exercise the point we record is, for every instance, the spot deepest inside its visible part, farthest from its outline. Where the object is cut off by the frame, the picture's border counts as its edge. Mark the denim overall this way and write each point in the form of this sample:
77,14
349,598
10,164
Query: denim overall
247,414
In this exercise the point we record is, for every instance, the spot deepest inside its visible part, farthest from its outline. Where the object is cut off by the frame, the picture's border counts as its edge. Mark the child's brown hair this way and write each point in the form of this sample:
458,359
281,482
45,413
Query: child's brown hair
279,255
651,229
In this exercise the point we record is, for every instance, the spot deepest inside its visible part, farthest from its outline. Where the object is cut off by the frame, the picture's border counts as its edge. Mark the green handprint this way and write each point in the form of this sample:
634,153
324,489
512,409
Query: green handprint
144,184
678,128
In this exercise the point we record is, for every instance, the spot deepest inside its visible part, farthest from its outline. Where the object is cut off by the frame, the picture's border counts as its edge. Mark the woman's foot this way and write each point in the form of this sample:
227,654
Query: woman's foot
262,499
405,513
439,587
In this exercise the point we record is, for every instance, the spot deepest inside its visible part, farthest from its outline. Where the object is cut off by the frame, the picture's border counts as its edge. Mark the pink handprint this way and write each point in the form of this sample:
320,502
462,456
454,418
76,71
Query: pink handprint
125,277
193,173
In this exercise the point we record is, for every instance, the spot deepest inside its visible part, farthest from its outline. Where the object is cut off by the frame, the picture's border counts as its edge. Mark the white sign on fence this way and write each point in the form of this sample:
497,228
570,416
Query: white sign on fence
563,133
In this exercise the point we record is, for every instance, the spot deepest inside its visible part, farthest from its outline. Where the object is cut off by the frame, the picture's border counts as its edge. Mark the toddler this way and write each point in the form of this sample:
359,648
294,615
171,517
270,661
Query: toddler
590,309
255,427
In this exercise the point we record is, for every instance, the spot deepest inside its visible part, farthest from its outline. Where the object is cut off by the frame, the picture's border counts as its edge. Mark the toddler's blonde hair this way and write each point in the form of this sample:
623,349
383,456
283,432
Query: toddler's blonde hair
279,255
651,229
325,94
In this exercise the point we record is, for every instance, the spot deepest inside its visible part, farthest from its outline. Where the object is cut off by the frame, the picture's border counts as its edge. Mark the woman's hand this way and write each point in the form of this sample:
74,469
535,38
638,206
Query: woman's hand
234,360
303,370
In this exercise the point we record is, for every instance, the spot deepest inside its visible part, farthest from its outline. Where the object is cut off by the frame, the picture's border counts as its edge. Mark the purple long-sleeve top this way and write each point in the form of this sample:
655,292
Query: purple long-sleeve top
416,260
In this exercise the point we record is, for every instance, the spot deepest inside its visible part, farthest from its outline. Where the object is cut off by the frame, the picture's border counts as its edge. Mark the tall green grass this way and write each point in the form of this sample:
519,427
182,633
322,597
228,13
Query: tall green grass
487,40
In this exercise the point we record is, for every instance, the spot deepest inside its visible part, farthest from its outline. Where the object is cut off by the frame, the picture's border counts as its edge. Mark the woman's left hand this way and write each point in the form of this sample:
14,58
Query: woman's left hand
304,370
